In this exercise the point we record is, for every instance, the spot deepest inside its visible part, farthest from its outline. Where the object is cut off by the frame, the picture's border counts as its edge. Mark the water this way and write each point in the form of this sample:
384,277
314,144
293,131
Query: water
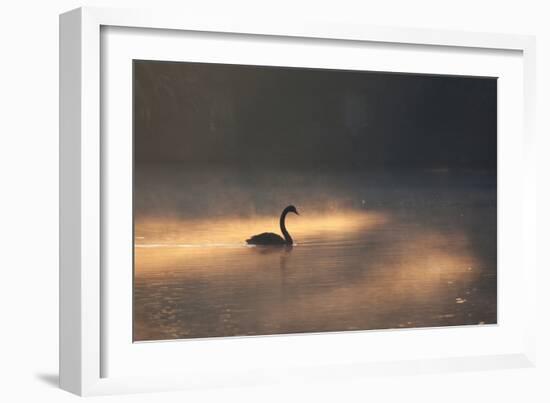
372,252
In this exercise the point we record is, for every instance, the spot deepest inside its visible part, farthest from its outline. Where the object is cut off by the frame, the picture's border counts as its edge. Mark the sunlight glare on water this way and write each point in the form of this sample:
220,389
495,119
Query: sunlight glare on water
234,230
348,270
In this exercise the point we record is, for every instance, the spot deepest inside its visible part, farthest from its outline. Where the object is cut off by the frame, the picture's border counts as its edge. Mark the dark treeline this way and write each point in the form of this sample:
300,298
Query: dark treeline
250,117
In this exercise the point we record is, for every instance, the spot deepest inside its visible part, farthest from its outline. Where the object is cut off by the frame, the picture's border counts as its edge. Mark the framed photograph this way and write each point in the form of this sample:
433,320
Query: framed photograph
251,202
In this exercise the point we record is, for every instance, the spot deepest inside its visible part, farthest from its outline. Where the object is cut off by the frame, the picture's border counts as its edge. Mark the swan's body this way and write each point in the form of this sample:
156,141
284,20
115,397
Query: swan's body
269,238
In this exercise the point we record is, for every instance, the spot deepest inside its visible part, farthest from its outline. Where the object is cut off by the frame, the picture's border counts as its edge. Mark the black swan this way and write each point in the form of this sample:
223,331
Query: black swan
269,238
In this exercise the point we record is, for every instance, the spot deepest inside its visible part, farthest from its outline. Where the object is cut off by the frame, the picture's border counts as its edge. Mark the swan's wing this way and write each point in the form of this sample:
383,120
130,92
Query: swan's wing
265,237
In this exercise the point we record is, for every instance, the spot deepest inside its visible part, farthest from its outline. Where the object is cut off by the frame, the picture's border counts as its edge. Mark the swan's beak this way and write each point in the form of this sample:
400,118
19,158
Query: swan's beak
297,212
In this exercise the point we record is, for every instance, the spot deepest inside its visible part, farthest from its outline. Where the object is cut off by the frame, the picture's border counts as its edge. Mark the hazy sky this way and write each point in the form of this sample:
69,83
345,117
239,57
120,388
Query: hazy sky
271,117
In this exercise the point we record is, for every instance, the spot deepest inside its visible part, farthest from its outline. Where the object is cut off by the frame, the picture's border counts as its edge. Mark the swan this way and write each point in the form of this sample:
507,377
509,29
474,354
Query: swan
269,238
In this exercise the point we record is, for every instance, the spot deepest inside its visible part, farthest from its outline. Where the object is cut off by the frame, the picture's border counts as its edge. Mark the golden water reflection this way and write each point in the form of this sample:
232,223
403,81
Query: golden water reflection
348,270
229,231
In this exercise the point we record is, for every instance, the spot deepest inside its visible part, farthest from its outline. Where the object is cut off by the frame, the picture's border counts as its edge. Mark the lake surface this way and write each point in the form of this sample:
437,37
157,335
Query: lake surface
372,252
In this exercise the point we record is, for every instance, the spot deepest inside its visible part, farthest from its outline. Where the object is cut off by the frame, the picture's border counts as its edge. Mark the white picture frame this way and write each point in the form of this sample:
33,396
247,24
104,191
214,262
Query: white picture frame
86,345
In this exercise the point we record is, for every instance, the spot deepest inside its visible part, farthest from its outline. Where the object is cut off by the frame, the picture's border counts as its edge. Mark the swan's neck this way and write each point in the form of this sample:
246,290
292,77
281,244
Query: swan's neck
287,236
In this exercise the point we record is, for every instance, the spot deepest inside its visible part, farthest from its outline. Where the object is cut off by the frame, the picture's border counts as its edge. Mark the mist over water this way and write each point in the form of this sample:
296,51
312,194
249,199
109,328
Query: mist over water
373,250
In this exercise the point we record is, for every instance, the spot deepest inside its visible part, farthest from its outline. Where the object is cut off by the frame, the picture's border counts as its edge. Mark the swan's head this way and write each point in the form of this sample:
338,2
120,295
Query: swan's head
292,209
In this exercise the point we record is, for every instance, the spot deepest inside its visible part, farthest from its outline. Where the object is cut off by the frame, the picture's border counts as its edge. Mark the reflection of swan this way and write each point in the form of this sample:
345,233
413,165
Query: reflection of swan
266,250
269,238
